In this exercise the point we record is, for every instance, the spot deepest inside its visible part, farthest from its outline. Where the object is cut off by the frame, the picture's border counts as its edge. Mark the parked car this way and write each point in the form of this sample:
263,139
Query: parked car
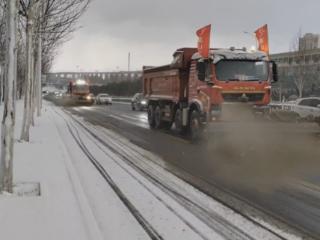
303,109
104,98
45,93
139,102
307,108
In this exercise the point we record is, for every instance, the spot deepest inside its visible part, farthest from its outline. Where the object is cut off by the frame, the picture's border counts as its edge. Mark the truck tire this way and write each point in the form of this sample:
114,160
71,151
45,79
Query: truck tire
178,121
151,116
133,107
195,126
167,125
157,118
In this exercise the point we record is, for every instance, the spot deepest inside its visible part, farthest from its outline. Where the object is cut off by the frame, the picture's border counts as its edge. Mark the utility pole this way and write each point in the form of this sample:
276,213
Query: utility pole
254,37
8,120
129,62
128,77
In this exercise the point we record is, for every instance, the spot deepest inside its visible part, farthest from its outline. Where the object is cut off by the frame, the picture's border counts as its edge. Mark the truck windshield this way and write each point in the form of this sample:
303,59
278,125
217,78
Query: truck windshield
239,70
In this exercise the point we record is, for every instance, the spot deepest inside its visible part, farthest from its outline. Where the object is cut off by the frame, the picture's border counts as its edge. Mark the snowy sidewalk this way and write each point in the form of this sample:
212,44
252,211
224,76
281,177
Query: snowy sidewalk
97,185
59,212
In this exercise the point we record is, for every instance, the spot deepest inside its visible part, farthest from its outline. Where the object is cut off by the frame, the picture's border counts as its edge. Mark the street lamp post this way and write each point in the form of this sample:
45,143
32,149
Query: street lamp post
254,36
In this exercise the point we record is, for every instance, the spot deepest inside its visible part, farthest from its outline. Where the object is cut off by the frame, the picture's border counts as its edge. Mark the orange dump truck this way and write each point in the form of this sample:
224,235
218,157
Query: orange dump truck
190,91
79,92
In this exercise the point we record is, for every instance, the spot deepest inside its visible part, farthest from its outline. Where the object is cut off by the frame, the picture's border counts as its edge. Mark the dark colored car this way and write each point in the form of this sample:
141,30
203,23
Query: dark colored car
138,102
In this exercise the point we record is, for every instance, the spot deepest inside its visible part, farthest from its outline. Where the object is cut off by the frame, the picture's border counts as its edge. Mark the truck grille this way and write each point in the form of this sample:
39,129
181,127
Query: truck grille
240,97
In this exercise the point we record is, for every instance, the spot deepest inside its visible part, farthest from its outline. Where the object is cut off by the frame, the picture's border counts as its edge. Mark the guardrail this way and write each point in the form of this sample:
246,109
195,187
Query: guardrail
288,112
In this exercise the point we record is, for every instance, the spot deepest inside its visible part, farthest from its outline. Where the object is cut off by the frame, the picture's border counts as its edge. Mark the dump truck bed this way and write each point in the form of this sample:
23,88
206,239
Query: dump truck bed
165,83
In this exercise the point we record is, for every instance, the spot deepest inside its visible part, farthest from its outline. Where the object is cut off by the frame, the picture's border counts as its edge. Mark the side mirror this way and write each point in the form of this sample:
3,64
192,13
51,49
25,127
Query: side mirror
201,69
274,72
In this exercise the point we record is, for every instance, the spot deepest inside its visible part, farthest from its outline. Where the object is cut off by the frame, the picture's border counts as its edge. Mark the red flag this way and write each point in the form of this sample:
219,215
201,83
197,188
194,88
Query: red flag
263,40
204,41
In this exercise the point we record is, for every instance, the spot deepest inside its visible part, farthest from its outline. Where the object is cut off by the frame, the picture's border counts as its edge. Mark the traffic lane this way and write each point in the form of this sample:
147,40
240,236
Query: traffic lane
273,150
256,163
117,112
266,152
259,149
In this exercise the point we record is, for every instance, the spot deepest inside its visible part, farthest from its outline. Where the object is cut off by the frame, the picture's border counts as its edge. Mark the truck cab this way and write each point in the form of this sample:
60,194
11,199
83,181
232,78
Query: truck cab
233,76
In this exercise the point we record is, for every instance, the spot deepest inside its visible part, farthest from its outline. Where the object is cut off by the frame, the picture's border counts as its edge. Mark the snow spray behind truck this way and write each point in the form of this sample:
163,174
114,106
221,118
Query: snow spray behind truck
191,90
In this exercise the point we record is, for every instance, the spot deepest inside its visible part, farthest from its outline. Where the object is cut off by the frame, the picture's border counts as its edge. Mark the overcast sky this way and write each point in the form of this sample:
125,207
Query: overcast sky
152,29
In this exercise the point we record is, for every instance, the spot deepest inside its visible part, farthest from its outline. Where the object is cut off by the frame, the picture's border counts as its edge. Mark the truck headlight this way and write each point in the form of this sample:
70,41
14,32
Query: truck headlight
143,102
88,97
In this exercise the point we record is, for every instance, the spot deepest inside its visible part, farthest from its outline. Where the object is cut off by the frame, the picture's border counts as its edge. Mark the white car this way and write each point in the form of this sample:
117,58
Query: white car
104,98
58,94
306,109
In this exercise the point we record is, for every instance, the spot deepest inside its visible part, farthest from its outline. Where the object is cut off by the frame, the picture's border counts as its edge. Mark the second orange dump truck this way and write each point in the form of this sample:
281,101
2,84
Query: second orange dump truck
190,91
79,92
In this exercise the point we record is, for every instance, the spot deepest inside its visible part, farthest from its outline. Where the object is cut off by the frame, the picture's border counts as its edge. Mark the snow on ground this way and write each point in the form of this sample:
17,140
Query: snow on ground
77,202
58,212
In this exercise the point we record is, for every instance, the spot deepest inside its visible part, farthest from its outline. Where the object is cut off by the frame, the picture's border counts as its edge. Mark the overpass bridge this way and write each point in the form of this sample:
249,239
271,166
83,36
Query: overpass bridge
95,78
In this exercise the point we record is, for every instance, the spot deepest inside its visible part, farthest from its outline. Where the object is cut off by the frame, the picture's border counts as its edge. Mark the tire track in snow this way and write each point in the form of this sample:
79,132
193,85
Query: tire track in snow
152,233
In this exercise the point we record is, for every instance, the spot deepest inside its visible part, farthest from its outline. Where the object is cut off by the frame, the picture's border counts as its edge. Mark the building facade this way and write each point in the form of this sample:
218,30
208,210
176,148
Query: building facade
303,64
309,41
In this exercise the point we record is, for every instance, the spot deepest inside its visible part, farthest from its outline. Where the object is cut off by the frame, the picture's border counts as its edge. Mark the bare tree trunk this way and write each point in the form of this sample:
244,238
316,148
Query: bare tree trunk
8,121
1,83
300,87
29,78
33,86
38,77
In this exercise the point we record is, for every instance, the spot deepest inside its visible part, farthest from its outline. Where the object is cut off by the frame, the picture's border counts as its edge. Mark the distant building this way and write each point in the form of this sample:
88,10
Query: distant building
308,57
309,41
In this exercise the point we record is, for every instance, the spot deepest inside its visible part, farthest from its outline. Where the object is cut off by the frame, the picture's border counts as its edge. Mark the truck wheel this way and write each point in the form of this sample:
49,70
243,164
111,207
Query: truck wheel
132,107
157,118
178,121
195,126
151,116
167,125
